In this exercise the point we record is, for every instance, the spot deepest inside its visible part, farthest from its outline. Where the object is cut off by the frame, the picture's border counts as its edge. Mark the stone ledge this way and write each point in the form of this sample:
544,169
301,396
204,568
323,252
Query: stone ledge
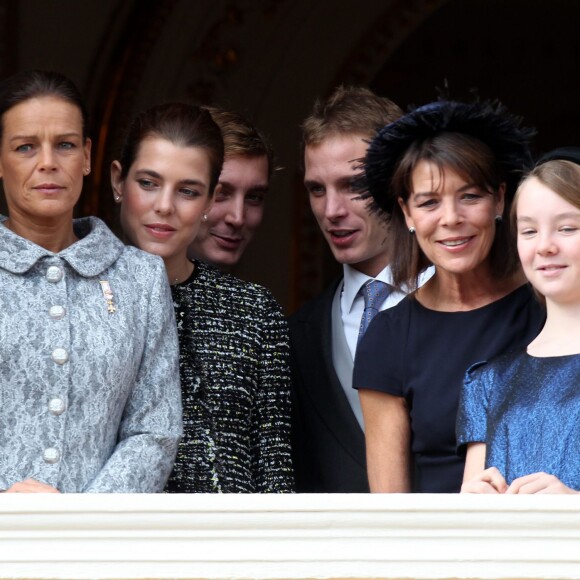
292,536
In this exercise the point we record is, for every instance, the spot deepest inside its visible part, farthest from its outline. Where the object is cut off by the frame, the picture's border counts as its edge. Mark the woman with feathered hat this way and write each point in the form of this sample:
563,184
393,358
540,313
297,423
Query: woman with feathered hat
444,176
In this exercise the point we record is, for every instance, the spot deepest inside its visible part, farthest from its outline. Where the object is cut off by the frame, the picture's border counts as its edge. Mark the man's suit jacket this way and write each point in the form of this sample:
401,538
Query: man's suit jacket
328,442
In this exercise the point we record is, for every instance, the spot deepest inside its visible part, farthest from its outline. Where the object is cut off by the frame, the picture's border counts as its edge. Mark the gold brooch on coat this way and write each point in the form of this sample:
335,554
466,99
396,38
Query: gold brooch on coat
108,295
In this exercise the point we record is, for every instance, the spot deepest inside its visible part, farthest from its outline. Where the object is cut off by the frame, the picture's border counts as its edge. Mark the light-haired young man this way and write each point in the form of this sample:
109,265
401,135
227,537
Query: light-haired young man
328,433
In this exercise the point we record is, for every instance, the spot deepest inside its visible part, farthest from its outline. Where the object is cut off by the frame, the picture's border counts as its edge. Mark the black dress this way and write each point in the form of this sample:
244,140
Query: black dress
420,354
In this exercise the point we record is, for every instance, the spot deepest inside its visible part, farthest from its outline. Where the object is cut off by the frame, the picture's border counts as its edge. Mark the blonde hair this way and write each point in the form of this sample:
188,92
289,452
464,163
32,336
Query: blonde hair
559,175
349,110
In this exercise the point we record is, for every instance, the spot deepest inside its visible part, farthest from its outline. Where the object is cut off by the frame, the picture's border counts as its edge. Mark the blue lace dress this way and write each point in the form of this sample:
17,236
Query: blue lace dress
527,410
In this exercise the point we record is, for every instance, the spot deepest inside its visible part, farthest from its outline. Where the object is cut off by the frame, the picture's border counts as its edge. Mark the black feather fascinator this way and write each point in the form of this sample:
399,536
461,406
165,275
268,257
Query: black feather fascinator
486,121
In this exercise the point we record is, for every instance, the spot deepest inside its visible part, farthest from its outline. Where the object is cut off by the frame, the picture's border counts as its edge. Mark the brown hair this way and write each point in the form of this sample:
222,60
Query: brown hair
474,161
559,175
242,138
348,110
34,84
181,124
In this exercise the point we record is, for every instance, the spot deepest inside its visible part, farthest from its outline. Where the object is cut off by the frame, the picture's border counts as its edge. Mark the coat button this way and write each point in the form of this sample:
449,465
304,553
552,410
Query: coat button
54,274
59,356
51,455
56,312
56,406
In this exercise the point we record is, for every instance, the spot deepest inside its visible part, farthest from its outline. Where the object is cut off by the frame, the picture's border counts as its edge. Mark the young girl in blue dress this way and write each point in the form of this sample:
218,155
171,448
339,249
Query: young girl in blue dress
520,414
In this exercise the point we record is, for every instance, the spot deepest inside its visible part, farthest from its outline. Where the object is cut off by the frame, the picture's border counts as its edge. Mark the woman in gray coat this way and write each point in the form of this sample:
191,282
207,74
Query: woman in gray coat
89,378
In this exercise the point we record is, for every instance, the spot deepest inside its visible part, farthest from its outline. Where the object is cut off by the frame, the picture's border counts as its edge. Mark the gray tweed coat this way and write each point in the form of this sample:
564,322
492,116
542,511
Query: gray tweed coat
89,377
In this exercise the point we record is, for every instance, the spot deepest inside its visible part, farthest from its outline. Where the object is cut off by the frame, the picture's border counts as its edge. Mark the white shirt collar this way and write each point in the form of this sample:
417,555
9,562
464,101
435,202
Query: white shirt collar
354,280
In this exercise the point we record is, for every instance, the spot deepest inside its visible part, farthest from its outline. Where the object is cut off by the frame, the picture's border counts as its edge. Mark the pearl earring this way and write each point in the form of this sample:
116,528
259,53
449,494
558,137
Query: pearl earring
204,217
411,230
498,219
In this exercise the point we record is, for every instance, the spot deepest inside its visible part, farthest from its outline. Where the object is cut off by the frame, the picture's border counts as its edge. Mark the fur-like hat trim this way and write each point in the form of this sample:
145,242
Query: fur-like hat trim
487,121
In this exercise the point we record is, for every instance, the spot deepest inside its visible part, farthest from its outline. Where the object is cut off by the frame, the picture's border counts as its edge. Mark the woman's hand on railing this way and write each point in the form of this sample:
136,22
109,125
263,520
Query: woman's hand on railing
31,486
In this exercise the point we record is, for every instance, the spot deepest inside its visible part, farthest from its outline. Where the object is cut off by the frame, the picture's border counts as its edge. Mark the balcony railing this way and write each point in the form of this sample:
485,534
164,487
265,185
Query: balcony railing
293,536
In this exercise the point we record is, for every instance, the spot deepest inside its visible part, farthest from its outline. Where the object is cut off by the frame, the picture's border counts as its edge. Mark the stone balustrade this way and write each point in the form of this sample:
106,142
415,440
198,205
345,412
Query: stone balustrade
289,537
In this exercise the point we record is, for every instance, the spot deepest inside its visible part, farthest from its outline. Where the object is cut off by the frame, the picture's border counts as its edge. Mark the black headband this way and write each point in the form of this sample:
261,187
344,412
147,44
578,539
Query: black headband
562,153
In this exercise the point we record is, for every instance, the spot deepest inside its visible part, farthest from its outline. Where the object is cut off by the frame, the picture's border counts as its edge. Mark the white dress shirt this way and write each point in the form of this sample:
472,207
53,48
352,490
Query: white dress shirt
352,301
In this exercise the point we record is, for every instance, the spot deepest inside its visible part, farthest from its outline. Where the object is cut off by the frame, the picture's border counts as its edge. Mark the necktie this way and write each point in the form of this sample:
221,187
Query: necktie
375,292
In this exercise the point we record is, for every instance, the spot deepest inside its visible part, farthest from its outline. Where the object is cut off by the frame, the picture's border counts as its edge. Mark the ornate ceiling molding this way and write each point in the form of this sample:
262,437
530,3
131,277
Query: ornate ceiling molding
213,57
398,22
220,51
115,105
313,265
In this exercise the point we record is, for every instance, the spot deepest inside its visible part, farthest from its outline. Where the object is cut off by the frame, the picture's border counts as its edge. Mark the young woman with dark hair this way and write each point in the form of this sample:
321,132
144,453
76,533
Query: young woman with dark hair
233,336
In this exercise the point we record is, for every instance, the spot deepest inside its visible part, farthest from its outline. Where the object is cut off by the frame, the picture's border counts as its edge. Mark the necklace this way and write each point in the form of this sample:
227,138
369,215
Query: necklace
181,278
